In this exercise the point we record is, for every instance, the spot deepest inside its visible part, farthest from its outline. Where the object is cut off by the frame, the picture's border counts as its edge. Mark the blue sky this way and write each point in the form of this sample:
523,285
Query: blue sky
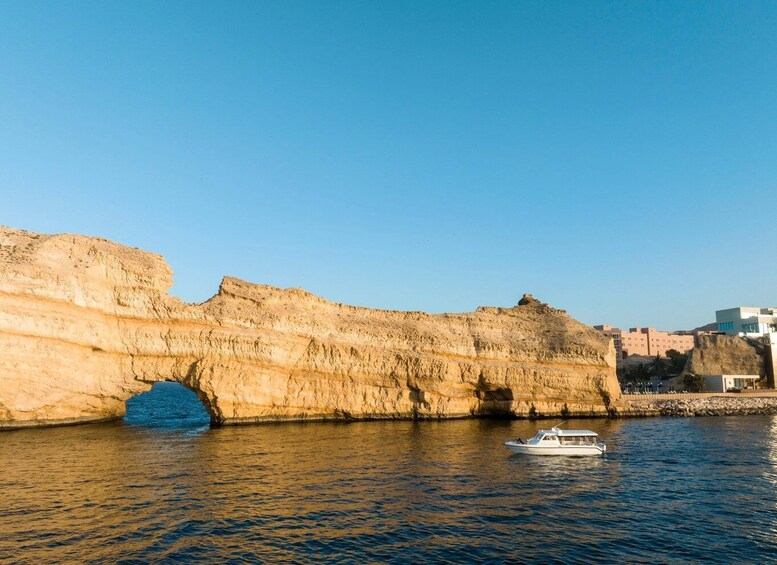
618,160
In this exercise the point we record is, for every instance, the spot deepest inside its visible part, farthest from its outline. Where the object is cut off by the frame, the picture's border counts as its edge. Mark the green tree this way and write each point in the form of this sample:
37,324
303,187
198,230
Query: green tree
658,366
676,361
694,382
634,373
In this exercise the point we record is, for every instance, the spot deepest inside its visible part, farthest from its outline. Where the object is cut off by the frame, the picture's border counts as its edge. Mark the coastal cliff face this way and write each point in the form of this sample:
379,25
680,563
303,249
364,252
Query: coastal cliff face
726,355
86,323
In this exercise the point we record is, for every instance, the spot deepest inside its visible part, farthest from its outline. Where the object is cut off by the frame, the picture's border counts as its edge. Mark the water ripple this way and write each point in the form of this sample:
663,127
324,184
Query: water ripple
171,489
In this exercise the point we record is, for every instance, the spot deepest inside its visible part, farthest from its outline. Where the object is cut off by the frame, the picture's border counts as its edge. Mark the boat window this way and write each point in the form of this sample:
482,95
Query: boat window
578,440
548,438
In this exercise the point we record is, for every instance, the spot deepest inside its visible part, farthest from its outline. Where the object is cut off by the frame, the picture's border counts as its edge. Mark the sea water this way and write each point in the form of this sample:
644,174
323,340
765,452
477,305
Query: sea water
162,486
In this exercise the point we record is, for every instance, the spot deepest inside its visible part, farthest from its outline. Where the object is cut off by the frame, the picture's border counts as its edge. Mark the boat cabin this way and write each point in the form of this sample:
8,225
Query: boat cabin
563,437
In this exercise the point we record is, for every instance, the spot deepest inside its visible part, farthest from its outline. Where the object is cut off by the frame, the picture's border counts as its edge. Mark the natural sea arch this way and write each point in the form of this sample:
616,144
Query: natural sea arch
167,405
86,323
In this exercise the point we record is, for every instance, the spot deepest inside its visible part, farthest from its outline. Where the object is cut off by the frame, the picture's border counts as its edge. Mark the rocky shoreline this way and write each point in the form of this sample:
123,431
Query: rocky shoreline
710,406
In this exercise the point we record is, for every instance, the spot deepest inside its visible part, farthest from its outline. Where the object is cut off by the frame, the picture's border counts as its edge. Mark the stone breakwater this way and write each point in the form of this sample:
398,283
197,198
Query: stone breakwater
86,323
710,406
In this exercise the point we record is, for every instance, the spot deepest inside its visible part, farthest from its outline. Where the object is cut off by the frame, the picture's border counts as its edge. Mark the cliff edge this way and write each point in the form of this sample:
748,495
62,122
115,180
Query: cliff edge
86,323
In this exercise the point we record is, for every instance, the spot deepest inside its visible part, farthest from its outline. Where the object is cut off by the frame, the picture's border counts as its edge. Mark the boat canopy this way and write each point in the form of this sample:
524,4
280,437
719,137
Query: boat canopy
570,433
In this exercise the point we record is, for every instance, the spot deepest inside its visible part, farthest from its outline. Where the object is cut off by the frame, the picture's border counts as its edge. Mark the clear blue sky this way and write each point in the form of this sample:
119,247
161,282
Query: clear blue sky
615,159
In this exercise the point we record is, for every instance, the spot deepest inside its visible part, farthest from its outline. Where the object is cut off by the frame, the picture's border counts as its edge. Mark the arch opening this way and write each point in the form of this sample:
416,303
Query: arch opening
168,405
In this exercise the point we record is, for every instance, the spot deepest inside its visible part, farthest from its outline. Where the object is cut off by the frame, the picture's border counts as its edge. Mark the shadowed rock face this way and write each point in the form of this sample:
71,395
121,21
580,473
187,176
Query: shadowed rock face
86,323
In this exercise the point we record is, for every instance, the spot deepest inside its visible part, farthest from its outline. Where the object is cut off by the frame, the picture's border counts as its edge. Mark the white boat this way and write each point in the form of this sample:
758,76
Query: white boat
556,441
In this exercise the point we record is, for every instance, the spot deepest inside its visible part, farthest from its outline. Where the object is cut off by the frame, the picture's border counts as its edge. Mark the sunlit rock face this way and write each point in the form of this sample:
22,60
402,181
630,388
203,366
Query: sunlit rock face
726,355
86,323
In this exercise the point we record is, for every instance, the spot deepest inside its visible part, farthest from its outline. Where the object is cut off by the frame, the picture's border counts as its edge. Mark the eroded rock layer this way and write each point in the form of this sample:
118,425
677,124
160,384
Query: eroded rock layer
726,355
86,323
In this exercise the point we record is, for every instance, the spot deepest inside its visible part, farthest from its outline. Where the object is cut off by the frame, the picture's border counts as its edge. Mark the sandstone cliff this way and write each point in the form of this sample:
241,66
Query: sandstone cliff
86,323
726,355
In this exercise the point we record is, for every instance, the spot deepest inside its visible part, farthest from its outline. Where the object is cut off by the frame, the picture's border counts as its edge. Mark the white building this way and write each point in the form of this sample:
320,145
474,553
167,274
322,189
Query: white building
744,320
724,383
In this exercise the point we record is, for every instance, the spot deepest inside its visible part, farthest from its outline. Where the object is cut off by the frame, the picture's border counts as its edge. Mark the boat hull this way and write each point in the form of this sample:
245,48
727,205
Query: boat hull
556,450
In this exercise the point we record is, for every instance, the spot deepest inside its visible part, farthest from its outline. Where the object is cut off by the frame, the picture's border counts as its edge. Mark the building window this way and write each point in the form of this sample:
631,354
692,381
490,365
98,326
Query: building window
723,326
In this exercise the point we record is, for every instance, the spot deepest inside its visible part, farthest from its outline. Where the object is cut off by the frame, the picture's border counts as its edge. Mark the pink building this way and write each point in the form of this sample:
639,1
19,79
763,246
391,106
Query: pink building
646,341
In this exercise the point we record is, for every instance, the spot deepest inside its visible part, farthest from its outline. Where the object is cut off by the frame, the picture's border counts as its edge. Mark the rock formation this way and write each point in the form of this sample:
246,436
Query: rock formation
86,324
726,355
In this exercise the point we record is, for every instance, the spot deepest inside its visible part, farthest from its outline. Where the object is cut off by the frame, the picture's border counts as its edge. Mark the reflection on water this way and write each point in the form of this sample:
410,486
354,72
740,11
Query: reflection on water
668,490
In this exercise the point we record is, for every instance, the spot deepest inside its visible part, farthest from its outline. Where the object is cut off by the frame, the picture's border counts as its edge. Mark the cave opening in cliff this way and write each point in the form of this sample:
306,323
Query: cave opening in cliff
167,405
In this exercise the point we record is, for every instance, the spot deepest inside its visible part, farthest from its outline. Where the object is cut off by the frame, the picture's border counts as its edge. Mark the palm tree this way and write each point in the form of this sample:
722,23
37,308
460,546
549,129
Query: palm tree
658,366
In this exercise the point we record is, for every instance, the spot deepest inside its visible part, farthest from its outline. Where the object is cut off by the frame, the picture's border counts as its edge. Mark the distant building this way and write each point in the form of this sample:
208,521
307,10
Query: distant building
646,341
724,383
747,321
615,335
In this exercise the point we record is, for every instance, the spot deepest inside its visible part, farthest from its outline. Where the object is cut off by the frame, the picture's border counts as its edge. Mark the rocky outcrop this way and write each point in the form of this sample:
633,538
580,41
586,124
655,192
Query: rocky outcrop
86,324
726,355
709,406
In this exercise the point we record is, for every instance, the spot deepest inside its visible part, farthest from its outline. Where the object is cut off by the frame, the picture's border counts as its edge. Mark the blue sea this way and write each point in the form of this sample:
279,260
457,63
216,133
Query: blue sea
161,486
